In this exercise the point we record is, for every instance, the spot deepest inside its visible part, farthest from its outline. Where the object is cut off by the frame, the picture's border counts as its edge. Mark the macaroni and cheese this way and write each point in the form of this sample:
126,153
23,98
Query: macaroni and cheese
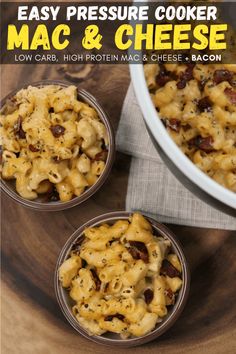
122,278
52,143
197,105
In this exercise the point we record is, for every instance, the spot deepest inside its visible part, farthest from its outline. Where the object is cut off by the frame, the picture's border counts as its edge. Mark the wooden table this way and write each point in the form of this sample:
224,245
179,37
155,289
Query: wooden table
31,241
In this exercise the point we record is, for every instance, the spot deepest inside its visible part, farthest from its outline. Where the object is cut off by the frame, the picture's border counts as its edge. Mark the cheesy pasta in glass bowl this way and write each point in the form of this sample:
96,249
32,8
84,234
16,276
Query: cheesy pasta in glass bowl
122,279
57,145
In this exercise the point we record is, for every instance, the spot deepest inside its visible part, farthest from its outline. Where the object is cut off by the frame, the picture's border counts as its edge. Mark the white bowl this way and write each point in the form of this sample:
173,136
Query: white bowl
188,174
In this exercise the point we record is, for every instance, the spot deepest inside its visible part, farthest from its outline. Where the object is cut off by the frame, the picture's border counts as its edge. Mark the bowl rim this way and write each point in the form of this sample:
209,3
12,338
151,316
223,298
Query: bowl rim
166,323
174,153
86,97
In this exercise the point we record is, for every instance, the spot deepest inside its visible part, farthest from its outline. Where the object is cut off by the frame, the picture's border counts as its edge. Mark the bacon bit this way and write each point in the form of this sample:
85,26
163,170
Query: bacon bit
186,76
138,250
101,156
57,130
168,269
169,293
148,295
231,95
186,127
181,84
201,143
33,148
53,196
204,105
173,124
134,253
222,75
96,279
18,128
110,317
162,79
139,245
21,134
164,76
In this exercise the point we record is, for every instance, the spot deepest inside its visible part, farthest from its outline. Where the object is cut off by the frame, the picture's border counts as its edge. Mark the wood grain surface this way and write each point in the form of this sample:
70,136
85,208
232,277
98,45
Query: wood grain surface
32,322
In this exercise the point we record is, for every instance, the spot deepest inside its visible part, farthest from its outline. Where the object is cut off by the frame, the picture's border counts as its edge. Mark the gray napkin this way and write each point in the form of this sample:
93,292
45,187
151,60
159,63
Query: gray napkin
152,188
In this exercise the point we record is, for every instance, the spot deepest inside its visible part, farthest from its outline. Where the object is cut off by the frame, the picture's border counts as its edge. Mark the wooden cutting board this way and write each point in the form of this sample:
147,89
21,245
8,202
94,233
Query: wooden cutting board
31,241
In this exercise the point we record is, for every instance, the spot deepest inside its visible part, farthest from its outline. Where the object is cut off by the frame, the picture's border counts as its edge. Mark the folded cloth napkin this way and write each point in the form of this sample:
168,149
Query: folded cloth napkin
152,188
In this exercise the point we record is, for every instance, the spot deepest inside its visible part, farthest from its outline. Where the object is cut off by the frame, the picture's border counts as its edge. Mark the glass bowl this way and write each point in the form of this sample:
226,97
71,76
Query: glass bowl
8,186
66,303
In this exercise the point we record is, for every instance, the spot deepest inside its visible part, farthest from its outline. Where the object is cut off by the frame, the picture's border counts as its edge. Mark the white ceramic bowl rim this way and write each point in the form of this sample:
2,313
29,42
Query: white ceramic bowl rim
168,145
192,172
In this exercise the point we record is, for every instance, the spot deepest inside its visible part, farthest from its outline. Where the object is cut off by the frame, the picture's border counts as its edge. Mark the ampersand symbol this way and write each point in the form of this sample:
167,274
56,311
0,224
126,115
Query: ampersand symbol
92,38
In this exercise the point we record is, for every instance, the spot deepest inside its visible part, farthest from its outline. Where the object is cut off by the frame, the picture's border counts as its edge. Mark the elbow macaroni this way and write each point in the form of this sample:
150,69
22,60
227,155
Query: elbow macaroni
113,293
50,136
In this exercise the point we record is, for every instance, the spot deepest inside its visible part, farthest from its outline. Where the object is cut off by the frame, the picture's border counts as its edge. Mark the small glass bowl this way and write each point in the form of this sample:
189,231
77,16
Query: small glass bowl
39,204
113,339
